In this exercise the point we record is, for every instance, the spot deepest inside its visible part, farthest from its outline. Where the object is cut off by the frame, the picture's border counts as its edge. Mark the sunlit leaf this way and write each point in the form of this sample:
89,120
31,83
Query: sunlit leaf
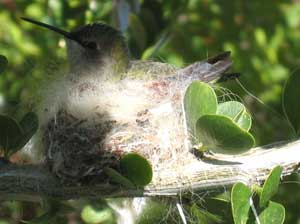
136,168
237,112
274,213
260,37
220,134
240,203
291,96
270,187
199,99
94,214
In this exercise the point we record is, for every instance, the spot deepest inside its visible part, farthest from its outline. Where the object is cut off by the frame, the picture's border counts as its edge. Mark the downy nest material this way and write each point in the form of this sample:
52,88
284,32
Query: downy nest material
89,123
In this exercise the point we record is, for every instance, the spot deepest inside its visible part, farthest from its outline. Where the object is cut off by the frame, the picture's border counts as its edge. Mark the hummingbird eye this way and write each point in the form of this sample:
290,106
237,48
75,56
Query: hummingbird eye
90,45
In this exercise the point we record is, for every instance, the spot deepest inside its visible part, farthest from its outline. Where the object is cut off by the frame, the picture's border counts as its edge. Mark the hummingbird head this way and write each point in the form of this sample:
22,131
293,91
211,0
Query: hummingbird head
93,47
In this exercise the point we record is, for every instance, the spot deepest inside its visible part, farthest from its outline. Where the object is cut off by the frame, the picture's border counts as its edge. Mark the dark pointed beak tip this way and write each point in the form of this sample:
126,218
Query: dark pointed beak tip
47,26
66,34
28,19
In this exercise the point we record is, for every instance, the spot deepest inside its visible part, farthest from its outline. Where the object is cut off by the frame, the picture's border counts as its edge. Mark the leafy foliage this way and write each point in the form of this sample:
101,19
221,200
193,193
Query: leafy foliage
240,202
97,213
264,50
237,112
202,216
136,168
268,211
220,134
14,135
220,128
274,213
199,99
270,187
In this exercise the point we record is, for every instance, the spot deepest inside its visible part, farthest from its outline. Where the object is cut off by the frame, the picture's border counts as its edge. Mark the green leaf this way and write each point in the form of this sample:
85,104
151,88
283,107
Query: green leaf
3,63
199,99
10,131
94,214
240,205
136,168
203,216
225,197
116,177
220,134
237,112
270,187
274,213
29,125
290,101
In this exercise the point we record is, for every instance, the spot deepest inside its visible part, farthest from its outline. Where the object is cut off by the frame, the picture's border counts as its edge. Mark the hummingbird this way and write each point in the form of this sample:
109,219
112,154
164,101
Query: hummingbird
109,104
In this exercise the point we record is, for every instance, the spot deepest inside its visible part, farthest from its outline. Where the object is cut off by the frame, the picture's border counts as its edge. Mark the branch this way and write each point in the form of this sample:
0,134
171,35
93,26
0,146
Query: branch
34,182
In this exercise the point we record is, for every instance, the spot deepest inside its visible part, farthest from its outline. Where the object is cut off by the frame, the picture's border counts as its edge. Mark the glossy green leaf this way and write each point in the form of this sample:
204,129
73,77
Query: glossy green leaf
290,101
136,168
270,187
10,131
116,177
3,63
221,135
29,125
237,112
240,203
94,214
199,99
274,213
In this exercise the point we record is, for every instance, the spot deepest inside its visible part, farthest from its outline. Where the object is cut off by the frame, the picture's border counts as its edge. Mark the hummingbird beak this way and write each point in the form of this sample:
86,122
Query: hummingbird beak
49,27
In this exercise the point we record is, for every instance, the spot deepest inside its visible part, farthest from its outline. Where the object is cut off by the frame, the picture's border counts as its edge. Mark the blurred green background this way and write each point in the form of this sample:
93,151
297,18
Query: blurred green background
263,36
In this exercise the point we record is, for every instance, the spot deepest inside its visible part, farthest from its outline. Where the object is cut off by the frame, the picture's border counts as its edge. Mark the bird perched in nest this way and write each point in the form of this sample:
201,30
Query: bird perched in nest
108,105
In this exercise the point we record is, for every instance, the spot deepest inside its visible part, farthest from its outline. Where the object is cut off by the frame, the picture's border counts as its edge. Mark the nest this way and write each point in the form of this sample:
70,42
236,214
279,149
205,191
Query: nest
75,152
91,122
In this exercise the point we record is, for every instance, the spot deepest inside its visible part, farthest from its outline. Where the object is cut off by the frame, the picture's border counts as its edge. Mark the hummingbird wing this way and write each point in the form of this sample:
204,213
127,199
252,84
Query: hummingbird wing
209,70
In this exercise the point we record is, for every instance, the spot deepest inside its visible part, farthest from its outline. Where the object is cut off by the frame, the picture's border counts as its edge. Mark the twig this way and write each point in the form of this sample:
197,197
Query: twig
34,182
